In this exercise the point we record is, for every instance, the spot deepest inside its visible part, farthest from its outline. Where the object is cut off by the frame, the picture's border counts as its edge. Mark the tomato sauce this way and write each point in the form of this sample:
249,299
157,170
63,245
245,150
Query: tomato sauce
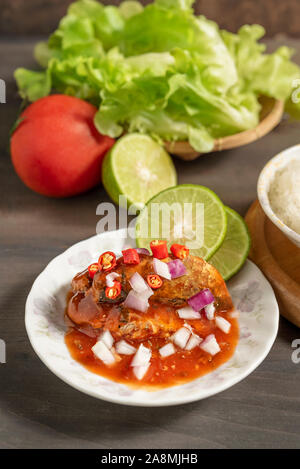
179,368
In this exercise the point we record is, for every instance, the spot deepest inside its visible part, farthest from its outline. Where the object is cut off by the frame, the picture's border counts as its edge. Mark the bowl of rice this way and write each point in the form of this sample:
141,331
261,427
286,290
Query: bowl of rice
278,191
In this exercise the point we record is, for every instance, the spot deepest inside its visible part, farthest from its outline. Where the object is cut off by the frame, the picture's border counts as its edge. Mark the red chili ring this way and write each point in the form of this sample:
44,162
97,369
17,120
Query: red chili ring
93,269
113,292
154,281
107,261
179,251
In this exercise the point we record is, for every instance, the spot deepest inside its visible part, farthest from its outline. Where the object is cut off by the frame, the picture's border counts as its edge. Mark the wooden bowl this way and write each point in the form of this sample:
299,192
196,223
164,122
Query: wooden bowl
270,116
279,260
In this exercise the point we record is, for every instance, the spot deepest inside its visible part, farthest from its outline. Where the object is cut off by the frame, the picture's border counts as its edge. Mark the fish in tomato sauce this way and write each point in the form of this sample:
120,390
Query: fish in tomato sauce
197,341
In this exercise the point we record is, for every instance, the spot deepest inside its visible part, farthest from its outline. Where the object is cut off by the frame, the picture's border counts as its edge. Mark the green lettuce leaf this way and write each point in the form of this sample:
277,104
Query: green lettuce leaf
130,8
158,29
33,85
161,70
171,105
89,20
264,74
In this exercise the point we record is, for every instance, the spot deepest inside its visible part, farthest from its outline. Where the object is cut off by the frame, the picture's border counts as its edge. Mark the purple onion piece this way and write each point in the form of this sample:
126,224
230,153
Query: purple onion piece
176,268
143,251
201,299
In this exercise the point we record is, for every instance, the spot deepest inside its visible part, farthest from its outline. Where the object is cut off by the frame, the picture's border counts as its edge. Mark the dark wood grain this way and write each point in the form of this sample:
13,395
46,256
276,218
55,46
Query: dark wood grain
37,410
22,17
275,15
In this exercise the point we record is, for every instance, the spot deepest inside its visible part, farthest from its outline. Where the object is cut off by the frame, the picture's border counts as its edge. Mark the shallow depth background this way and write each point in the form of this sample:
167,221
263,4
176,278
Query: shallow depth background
20,17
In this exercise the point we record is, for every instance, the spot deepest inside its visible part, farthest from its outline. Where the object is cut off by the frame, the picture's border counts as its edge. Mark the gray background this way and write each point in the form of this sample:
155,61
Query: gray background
23,17
37,410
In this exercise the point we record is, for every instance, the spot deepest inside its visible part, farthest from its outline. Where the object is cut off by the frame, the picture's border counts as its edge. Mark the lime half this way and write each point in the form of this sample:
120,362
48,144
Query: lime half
187,214
137,167
234,250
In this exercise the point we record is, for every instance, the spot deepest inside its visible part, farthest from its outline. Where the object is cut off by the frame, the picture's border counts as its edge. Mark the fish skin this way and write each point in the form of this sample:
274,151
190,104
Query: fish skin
161,320
200,274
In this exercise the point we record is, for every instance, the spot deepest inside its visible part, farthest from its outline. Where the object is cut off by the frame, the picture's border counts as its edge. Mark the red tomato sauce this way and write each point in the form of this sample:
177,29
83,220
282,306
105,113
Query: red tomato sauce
179,368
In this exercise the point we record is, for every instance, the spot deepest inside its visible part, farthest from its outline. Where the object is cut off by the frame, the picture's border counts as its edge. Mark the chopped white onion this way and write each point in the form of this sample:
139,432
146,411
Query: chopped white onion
138,283
210,311
141,361
140,286
136,301
147,293
140,371
110,278
123,348
142,356
161,269
188,313
181,337
107,339
103,353
189,327
193,342
222,324
167,350
210,345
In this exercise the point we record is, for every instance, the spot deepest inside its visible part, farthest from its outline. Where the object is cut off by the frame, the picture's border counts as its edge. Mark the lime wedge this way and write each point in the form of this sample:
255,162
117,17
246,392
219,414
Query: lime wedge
233,252
137,167
187,214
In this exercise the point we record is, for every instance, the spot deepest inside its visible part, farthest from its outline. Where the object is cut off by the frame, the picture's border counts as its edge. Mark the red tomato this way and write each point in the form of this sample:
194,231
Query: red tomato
56,150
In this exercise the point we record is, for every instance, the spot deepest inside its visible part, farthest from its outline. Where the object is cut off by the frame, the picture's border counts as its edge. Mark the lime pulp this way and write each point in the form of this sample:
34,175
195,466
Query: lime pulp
187,214
137,168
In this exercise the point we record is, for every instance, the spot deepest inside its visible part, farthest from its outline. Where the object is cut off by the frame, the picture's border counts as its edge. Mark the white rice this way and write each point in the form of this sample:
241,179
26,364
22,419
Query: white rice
284,195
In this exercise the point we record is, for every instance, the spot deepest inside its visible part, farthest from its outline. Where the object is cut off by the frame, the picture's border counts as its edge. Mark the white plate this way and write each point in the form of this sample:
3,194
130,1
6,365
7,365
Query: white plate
251,292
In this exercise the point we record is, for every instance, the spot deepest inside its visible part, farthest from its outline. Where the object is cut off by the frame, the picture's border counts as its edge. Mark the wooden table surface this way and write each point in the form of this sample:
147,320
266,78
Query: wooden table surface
37,410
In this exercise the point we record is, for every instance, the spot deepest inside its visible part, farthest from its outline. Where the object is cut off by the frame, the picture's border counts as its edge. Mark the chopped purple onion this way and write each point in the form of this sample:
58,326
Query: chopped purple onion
143,251
201,299
176,268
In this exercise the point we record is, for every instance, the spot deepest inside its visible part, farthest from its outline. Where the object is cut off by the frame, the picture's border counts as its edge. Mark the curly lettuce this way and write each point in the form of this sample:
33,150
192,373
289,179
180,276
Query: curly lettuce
161,70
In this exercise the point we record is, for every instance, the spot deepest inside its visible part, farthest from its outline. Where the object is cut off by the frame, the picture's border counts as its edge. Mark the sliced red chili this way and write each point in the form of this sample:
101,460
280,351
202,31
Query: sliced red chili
107,261
113,292
154,281
159,249
93,268
180,251
131,256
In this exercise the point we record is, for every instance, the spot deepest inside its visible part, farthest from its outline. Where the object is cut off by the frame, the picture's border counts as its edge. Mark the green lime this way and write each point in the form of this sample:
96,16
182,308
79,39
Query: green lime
233,252
187,214
137,168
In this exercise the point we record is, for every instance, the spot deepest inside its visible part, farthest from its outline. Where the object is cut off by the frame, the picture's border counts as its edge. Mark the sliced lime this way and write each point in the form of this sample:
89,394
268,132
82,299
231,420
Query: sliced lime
137,167
187,214
233,252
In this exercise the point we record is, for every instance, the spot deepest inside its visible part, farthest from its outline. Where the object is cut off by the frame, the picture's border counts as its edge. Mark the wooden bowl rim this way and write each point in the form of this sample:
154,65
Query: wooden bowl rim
184,150
286,288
